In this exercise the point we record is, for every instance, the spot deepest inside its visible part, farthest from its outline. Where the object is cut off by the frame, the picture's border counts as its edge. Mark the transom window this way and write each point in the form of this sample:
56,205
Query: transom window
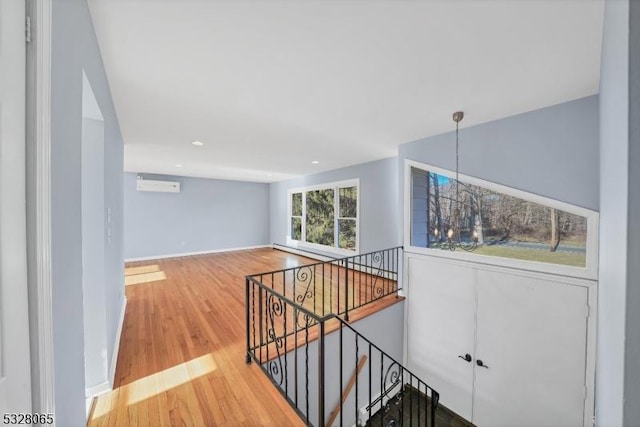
509,225
325,216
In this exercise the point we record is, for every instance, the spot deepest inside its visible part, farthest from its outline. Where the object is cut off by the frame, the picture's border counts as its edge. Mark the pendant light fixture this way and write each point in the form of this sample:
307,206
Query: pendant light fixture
454,237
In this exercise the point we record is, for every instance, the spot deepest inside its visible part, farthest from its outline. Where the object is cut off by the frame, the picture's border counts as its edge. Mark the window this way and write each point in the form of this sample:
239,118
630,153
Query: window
320,217
507,223
296,216
347,219
325,216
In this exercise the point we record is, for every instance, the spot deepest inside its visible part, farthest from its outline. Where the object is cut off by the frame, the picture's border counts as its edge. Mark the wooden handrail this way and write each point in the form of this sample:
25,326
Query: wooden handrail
347,390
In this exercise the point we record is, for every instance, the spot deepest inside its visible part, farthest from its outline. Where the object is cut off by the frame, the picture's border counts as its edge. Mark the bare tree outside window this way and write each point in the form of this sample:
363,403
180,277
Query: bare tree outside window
506,226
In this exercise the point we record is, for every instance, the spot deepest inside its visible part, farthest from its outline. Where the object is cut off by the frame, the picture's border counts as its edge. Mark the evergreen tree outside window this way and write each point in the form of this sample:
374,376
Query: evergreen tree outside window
320,218
325,216
296,216
347,217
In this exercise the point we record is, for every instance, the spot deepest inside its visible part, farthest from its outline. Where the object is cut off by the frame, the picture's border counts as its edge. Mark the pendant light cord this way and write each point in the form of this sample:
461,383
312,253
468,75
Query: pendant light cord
457,173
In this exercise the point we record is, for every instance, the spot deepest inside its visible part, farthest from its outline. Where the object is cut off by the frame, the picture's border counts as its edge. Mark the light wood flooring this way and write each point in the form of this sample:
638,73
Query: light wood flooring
182,350
320,288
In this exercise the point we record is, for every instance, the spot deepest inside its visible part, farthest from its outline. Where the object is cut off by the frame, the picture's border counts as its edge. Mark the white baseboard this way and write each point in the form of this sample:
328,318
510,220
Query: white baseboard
104,387
183,254
301,252
363,413
88,403
93,392
352,265
116,345
97,390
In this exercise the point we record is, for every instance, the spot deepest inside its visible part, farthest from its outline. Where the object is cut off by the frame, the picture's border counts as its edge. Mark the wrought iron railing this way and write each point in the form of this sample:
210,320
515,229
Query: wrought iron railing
316,359
340,285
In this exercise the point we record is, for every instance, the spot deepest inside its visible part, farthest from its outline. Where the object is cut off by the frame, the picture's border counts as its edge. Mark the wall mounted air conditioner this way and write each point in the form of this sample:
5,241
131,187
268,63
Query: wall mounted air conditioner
157,186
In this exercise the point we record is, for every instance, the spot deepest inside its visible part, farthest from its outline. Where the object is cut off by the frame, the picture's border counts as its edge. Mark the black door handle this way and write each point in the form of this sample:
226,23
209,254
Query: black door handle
480,363
466,357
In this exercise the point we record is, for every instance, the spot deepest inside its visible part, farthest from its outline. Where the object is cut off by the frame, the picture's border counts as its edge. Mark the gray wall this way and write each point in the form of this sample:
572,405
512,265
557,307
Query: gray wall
379,213
93,245
632,356
419,208
552,152
206,215
614,179
563,138
74,48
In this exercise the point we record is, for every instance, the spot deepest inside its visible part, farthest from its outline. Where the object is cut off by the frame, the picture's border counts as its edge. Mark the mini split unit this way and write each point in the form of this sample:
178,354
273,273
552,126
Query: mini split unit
157,186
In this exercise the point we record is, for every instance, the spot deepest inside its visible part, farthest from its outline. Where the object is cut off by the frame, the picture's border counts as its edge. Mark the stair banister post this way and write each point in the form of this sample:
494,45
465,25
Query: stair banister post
248,359
346,290
321,375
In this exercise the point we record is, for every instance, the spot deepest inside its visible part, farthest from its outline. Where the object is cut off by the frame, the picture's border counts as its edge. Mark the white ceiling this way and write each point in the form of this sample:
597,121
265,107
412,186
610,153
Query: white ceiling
270,86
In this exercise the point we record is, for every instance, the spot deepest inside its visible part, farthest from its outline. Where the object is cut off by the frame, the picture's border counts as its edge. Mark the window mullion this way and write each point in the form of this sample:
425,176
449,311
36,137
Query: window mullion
303,236
336,217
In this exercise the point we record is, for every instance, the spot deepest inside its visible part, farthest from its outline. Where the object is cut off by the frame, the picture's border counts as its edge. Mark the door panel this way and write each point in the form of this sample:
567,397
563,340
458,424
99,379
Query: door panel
440,327
531,333
15,381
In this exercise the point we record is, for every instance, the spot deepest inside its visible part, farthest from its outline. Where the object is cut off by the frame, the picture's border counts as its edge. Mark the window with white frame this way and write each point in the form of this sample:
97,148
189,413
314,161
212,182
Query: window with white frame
509,225
325,216
296,216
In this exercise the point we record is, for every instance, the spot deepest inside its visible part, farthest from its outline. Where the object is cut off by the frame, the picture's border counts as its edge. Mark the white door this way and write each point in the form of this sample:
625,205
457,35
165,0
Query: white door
15,382
441,328
531,338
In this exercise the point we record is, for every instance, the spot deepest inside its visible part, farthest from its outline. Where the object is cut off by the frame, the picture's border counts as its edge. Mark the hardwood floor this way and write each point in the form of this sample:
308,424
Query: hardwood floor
320,288
182,350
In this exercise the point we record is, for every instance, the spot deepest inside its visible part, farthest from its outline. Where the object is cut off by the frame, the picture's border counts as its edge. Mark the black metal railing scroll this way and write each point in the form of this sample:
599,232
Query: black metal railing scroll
339,285
329,372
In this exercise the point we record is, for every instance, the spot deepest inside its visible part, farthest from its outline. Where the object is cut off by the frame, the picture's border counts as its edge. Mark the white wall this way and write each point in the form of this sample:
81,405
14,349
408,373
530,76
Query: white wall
15,390
74,49
632,357
614,180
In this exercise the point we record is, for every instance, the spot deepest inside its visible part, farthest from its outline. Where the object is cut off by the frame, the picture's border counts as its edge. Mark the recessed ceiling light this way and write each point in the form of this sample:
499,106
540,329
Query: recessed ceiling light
315,162
178,165
198,143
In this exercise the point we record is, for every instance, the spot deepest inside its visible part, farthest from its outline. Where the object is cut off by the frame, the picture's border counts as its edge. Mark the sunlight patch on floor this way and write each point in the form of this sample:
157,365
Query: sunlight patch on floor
169,378
157,383
291,262
136,279
141,269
